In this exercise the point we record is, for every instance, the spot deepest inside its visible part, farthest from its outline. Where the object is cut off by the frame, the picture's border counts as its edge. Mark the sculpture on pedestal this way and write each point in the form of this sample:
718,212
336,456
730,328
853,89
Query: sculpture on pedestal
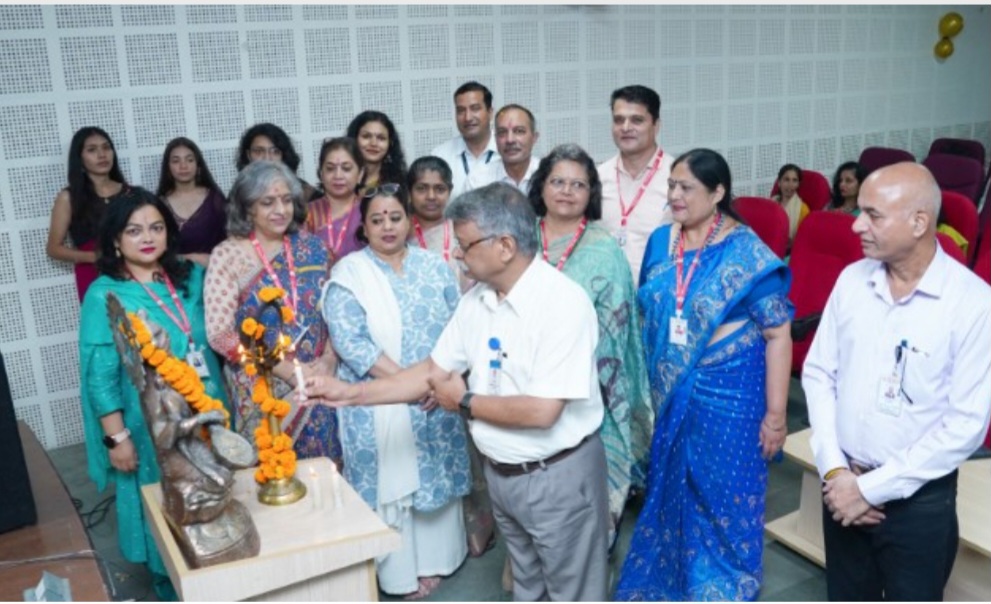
196,452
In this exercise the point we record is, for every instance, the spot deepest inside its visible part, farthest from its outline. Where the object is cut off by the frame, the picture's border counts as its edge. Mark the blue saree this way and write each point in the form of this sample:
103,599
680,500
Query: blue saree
700,532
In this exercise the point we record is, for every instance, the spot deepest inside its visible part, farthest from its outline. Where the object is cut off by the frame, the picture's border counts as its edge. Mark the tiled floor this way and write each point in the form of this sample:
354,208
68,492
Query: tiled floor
787,576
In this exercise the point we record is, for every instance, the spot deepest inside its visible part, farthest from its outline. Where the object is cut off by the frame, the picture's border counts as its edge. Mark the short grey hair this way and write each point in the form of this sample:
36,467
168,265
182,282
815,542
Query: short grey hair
252,183
498,209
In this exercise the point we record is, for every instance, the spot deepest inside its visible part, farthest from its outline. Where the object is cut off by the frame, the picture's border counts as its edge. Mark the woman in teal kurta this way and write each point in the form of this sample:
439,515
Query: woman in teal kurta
566,193
138,264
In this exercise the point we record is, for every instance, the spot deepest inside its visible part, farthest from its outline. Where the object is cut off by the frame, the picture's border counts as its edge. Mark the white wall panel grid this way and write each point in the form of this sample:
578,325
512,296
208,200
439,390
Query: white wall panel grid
763,84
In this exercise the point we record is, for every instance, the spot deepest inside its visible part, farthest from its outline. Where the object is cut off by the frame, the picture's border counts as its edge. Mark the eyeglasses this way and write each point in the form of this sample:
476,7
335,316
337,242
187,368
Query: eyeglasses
466,248
265,151
389,188
559,184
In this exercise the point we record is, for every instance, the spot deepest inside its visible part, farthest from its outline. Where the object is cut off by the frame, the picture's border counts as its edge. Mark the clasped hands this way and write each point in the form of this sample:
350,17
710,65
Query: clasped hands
843,498
445,392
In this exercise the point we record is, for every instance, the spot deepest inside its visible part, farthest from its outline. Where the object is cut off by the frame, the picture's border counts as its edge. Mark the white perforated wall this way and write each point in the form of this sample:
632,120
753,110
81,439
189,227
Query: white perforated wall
763,84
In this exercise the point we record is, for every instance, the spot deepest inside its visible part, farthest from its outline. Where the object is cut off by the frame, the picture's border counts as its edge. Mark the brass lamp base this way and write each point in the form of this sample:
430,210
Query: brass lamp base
281,491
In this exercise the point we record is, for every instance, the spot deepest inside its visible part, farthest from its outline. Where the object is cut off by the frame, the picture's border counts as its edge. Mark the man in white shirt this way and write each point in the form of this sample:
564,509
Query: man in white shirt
635,182
475,146
898,382
516,134
528,334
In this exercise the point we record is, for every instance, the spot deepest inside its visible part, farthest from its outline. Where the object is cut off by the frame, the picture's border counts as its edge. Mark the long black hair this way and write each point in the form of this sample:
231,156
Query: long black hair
166,182
859,172
87,206
393,167
711,169
115,220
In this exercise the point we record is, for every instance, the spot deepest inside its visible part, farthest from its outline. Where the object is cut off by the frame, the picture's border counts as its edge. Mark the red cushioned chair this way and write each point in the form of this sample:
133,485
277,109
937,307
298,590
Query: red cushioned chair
768,219
873,158
982,262
824,245
814,190
958,146
951,248
961,214
956,173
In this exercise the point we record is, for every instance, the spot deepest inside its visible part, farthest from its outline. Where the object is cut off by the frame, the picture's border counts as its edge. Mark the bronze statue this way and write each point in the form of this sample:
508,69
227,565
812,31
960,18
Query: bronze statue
210,526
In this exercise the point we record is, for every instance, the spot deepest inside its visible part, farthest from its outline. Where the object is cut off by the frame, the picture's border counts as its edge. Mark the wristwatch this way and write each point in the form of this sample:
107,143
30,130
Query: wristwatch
115,439
464,407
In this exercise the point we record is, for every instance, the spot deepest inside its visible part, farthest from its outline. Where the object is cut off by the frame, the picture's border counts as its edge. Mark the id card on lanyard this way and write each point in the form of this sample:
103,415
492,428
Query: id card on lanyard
194,356
678,326
495,367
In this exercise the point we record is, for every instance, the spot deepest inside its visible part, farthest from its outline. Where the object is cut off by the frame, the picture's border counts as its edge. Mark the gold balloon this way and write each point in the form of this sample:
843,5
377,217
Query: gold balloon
943,48
950,25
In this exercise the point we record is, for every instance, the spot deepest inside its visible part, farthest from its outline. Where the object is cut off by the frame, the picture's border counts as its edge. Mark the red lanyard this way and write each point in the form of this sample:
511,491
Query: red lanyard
184,325
335,243
571,244
271,272
624,211
423,241
682,282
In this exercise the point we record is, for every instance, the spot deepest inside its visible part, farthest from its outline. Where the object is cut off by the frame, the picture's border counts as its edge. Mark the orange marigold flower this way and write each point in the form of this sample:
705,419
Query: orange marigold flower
248,326
267,294
264,442
266,455
279,472
287,314
259,332
250,369
260,476
143,336
157,358
268,470
147,350
268,405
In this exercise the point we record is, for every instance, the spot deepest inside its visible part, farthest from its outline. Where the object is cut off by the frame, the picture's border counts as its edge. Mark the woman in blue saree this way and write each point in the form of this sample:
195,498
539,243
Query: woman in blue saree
139,264
716,336
267,247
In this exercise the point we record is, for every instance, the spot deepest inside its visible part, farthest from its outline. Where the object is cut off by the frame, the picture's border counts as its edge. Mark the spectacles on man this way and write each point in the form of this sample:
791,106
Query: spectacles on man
466,248
389,188
558,184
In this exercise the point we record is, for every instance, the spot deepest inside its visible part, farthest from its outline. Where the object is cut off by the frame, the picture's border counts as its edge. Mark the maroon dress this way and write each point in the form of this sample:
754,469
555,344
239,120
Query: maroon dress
207,227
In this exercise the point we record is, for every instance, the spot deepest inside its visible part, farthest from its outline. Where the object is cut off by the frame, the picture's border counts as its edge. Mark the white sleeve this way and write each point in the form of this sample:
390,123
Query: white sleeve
819,382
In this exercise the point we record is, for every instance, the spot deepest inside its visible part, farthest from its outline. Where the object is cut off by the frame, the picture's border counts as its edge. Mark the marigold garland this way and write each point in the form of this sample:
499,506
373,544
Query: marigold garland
177,373
276,458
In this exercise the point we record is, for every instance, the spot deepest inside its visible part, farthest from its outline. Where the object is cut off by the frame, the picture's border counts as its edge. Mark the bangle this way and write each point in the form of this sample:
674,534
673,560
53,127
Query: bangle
832,473
773,429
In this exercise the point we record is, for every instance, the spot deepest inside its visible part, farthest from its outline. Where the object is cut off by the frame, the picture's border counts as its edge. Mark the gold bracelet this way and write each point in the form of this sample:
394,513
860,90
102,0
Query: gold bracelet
830,474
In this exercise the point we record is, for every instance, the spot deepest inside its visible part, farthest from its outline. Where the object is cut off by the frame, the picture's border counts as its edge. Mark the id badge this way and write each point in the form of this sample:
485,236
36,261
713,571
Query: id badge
196,360
889,398
678,332
621,237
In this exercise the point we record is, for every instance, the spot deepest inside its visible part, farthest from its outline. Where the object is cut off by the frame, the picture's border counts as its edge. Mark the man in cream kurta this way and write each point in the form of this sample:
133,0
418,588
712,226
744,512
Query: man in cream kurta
635,182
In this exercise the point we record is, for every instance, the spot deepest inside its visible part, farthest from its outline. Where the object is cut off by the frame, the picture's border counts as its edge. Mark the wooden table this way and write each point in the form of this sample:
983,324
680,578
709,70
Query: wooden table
309,552
59,531
971,578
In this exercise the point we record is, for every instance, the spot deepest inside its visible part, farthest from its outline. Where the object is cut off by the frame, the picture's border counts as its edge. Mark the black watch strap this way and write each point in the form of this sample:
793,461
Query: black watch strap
464,407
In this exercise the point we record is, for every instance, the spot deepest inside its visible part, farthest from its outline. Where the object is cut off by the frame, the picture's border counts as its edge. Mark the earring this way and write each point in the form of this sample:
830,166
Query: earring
117,251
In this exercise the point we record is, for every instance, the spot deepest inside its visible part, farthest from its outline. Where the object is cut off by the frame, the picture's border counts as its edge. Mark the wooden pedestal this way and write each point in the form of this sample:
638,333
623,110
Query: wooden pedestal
971,577
311,550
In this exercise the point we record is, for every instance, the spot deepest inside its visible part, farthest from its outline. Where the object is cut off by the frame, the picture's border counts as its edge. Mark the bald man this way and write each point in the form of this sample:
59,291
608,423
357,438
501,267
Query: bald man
898,383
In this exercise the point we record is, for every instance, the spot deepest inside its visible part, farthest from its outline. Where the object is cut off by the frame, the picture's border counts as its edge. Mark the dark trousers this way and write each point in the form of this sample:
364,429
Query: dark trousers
908,557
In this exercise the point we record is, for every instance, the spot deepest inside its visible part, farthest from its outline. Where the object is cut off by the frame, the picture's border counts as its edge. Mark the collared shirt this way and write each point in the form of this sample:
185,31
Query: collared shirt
943,329
547,330
495,171
461,161
650,213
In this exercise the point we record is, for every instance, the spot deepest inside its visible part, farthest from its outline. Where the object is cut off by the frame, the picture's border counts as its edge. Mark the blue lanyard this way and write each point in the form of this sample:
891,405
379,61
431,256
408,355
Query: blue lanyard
464,159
